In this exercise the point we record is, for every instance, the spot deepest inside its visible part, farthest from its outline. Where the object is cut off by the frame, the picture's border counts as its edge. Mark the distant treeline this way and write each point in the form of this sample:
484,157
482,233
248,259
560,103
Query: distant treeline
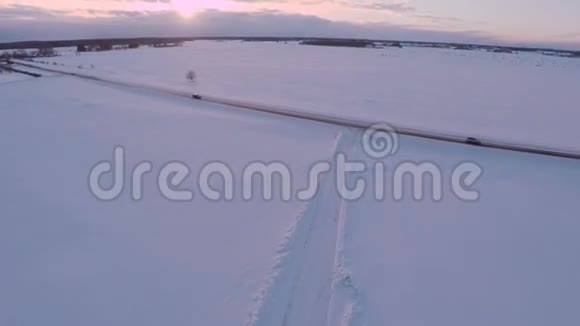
152,41
91,43
353,43
23,53
145,41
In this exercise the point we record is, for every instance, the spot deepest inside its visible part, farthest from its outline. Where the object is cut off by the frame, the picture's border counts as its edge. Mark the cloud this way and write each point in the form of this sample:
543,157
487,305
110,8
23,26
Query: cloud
261,1
207,23
48,25
150,1
20,12
397,7
434,18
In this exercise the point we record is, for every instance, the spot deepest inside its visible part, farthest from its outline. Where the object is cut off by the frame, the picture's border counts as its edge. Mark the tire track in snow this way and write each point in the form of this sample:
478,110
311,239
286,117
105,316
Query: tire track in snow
345,307
307,271
299,289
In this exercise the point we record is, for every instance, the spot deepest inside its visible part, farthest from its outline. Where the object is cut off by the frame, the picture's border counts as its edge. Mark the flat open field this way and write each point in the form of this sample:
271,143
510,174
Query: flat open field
521,98
508,257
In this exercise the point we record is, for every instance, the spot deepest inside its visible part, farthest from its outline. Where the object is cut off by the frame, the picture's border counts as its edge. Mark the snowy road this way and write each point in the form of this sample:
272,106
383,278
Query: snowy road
302,291
323,118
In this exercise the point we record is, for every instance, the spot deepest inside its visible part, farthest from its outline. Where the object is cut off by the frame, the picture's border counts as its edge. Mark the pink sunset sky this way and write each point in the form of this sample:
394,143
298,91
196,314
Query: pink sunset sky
504,21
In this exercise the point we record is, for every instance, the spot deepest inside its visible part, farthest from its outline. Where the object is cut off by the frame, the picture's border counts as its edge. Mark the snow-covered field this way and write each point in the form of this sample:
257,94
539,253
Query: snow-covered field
10,77
522,98
509,258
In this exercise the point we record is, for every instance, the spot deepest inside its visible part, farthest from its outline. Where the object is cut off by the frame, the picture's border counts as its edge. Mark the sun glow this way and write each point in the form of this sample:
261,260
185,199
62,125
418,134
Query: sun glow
187,8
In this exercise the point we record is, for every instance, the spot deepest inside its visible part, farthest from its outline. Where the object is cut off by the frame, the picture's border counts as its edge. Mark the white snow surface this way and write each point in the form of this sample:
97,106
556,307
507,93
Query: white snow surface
11,77
523,98
509,258
69,259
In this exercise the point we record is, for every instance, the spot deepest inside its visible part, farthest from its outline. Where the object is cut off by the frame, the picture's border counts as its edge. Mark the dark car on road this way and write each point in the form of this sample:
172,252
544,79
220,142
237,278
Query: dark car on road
473,141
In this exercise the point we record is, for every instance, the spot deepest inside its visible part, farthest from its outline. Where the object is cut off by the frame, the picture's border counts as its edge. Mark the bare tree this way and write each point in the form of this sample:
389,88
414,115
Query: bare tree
20,54
45,52
191,76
